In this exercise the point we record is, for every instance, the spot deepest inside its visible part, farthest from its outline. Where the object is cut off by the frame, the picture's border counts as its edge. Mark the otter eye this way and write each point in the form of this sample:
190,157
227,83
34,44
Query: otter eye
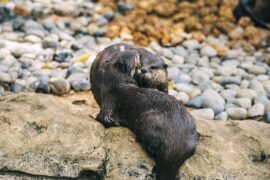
165,66
154,67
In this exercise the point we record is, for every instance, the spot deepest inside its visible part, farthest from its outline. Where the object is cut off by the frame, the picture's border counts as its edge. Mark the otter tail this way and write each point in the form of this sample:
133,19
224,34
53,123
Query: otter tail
167,170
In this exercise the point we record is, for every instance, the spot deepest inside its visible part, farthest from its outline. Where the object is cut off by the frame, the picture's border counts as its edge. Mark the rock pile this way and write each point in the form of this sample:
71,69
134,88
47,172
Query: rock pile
46,48
47,137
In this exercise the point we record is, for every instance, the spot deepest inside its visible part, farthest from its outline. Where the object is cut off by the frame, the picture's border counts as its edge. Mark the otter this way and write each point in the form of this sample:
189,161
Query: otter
151,74
159,121
257,10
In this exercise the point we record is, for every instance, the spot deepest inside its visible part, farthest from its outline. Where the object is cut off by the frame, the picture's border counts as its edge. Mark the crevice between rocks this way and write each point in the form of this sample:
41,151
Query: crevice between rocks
83,175
261,158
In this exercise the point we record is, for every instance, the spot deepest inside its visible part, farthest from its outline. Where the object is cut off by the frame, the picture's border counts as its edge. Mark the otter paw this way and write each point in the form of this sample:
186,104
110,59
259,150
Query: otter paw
107,120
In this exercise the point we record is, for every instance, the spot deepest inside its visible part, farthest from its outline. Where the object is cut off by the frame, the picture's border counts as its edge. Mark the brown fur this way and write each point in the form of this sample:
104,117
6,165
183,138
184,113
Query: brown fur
151,74
162,125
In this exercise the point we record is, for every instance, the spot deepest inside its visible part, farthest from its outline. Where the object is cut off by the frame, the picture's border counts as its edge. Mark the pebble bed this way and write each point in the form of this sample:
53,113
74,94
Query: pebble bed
46,48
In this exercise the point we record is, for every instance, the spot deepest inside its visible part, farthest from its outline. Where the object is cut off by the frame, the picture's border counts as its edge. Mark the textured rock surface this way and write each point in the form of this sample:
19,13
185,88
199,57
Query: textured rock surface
47,137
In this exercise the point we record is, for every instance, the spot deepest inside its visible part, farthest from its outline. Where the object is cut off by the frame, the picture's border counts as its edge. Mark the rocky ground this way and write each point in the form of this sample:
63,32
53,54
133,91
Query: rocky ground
48,137
215,65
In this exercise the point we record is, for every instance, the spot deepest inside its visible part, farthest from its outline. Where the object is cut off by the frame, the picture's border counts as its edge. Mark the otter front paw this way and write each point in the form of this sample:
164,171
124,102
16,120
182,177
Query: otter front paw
107,120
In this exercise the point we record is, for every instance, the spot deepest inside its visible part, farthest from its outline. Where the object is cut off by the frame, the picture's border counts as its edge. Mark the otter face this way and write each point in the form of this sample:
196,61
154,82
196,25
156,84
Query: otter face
127,62
152,73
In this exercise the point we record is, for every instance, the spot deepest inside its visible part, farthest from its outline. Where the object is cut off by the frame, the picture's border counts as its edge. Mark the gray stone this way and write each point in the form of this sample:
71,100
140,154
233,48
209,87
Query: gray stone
257,86
24,74
211,99
195,92
2,91
196,102
103,40
4,52
204,61
49,43
231,63
172,92
17,51
230,80
266,85
109,15
62,9
232,54
216,86
59,86
178,59
63,57
166,52
246,65
208,51
40,11
267,117
192,58
25,62
74,69
102,21
230,104
262,77
124,7
5,77
183,97
243,102
205,86
191,44
32,39
173,72
223,116
80,85
267,108
206,113
256,110
232,86
244,84
43,86
3,68
59,73
32,84
183,87
248,93
225,71
179,50
228,94
18,86
237,113
183,78
257,70
262,99
76,76
199,77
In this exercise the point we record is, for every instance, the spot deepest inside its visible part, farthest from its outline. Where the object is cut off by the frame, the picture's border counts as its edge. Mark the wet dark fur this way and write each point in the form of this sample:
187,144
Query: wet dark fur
162,125
149,63
257,10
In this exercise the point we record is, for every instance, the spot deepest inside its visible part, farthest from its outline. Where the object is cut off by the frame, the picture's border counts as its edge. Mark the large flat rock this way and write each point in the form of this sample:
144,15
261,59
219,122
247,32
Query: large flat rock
48,137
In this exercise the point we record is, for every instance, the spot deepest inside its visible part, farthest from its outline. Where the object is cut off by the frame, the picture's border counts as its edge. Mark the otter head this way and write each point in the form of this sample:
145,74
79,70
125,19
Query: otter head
152,73
127,62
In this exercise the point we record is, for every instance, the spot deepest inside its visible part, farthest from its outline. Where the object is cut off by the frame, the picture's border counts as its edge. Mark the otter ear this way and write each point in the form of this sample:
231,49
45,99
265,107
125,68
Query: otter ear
165,66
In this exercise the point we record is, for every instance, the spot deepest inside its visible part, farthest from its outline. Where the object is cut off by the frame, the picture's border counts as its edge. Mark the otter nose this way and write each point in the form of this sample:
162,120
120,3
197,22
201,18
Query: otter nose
144,70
